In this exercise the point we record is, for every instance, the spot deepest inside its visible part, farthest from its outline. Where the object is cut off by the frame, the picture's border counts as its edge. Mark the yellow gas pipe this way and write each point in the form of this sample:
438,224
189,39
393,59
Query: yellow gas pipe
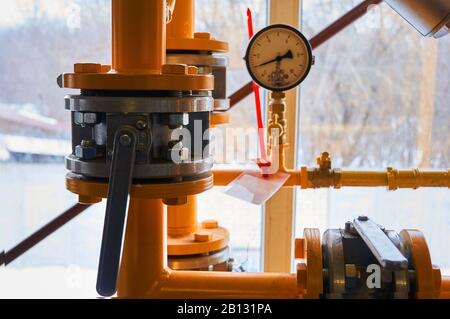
181,37
144,272
325,176
139,36
139,48
336,178
181,25
182,220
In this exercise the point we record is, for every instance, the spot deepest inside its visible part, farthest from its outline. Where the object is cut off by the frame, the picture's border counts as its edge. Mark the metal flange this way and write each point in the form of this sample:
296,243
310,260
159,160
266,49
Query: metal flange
109,104
99,189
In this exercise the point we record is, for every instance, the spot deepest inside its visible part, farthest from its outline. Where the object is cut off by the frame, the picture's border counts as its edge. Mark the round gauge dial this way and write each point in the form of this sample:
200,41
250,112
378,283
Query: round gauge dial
279,57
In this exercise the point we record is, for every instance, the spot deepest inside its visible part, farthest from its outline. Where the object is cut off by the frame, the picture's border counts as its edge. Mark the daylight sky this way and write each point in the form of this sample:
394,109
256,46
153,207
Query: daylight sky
14,12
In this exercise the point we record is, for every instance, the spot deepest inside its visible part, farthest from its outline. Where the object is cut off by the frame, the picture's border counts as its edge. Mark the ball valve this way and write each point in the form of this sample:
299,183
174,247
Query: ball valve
133,125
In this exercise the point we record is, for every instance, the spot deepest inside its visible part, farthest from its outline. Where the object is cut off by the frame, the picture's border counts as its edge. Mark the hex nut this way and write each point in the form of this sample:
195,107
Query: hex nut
174,69
88,200
351,271
87,68
299,250
202,35
85,152
178,119
210,224
78,118
202,236
81,118
90,118
87,143
192,70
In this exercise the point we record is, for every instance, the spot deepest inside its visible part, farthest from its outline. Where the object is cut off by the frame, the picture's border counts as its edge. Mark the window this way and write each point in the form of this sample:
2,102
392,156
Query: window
43,39
223,19
377,97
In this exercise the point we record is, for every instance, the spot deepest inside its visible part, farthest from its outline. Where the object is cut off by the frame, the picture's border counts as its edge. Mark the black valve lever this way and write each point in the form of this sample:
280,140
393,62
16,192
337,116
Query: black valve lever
120,177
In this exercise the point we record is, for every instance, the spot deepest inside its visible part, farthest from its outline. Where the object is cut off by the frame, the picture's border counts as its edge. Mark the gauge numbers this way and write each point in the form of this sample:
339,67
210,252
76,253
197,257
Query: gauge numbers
279,57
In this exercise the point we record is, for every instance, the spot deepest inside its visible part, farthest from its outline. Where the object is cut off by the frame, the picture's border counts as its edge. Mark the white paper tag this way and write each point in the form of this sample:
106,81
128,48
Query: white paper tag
253,187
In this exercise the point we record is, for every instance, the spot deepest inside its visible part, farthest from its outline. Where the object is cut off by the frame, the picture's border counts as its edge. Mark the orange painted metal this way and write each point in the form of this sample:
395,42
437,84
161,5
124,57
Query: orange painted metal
219,118
139,36
144,260
394,179
391,178
119,81
187,237
144,273
231,285
146,191
444,293
428,281
182,220
138,54
139,46
181,35
182,24
201,241
314,264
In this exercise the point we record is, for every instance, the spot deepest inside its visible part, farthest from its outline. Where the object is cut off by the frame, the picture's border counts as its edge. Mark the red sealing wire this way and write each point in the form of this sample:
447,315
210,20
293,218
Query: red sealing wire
262,145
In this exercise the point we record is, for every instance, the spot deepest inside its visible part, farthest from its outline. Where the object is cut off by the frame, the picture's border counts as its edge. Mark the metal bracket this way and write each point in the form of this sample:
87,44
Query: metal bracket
122,164
380,245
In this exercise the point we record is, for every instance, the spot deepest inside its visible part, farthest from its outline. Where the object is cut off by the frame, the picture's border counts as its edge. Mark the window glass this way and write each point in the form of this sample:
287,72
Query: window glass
377,97
42,39
227,20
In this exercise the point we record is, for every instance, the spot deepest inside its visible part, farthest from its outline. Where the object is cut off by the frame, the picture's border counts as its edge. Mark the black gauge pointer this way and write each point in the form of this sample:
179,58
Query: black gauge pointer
279,58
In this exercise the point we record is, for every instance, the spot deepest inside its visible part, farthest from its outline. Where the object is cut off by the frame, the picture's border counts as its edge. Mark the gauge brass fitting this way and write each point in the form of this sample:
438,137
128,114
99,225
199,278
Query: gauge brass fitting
277,117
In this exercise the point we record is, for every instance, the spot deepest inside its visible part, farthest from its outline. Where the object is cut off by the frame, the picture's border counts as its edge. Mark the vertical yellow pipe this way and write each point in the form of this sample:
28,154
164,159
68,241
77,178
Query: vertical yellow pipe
182,24
144,273
182,220
144,251
138,36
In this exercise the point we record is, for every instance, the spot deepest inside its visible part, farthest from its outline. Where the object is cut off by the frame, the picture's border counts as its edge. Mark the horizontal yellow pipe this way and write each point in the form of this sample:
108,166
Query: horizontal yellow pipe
393,179
396,178
144,272
204,284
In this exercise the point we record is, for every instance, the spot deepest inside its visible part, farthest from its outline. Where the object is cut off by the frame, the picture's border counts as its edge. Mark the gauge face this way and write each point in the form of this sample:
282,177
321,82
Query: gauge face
279,57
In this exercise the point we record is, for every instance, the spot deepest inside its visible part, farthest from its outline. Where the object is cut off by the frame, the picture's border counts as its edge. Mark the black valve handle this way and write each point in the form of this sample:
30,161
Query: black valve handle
120,177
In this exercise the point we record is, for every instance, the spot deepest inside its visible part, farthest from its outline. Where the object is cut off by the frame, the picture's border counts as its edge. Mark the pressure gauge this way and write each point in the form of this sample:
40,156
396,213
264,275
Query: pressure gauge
279,57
